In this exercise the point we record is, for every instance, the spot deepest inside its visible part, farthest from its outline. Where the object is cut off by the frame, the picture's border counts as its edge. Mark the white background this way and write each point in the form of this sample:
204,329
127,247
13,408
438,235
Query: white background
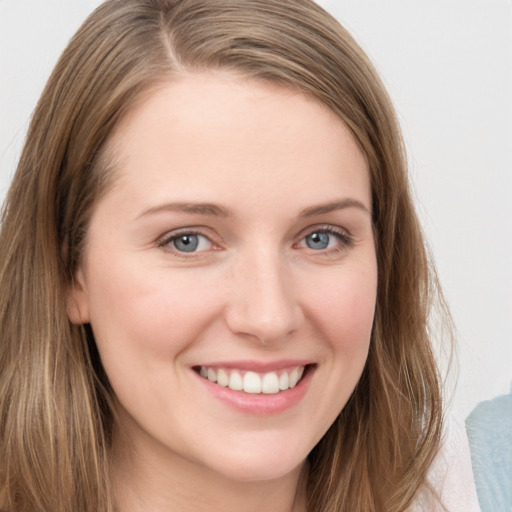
448,67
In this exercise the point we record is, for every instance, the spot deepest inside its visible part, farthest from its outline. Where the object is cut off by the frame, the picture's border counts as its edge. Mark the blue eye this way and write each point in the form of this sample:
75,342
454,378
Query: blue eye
318,241
188,242
325,239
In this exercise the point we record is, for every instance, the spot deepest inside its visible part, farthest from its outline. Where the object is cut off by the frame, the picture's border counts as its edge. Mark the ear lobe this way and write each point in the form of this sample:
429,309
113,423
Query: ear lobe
77,301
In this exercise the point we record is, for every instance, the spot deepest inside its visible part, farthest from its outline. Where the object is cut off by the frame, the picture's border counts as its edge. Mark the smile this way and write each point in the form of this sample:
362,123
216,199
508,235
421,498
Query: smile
269,383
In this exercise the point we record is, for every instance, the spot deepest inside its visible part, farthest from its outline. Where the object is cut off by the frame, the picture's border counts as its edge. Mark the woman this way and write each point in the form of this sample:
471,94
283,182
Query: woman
215,290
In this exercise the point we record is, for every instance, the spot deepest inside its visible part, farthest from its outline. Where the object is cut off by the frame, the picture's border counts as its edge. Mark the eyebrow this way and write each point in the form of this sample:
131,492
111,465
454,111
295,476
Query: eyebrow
215,210
333,206
208,209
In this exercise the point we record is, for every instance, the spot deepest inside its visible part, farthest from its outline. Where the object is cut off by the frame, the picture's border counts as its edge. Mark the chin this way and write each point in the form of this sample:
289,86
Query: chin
252,473
258,465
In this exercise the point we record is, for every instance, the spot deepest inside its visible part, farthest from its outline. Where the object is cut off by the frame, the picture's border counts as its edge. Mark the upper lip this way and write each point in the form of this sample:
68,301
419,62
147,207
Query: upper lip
258,366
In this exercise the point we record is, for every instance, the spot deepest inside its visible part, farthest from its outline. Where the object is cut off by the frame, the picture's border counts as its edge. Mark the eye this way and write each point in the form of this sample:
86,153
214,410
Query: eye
325,239
318,240
187,242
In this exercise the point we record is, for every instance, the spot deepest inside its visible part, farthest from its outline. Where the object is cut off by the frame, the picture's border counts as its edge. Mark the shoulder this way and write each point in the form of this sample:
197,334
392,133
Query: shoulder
489,429
450,477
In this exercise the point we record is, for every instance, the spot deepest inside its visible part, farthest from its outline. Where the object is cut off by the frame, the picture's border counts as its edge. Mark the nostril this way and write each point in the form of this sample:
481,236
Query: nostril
263,307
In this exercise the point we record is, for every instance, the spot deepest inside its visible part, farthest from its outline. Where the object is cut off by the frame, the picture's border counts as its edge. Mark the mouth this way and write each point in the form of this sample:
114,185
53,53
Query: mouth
254,383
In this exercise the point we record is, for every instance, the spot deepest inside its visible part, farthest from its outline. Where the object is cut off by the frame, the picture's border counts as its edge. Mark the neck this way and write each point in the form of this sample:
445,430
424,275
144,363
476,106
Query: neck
156,481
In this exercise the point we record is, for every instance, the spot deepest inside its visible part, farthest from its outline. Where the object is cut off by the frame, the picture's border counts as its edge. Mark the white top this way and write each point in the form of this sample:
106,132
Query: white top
451,475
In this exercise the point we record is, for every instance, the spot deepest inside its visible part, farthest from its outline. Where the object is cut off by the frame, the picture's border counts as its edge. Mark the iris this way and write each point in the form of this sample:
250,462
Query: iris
318,240
186,243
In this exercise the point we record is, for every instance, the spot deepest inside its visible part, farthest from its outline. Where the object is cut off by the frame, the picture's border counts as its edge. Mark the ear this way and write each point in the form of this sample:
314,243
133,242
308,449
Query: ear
77,299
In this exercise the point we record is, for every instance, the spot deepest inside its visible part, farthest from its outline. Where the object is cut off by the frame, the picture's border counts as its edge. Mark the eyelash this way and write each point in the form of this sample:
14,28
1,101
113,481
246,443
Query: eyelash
345,240
167,240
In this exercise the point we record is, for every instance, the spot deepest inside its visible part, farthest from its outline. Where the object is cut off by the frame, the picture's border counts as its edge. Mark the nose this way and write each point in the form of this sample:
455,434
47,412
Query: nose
263,303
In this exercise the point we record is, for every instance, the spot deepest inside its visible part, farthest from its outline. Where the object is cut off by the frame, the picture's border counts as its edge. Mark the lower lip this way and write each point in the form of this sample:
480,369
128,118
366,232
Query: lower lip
260,403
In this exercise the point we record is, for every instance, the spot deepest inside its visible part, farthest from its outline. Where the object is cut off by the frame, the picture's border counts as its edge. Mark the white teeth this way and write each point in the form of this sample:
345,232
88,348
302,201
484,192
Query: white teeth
270,383
235,382
222,378
284,381
251,382
294,377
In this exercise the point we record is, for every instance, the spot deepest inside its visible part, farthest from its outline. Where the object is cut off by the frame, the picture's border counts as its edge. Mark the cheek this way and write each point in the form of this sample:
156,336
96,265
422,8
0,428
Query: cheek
344,307
153,311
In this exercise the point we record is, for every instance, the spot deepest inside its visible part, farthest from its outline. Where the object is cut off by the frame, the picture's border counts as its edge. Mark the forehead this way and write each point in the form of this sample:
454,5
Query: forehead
217,127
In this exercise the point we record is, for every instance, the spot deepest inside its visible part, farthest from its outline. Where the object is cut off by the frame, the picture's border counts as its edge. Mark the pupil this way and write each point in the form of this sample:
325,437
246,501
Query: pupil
317,241
186,243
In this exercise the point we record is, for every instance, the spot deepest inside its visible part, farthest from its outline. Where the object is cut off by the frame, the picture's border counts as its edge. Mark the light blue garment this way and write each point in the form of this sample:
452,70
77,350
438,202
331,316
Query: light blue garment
489,429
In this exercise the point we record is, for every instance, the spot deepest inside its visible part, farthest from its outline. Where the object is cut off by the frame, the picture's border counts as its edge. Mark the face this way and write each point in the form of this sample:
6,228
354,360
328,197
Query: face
229,275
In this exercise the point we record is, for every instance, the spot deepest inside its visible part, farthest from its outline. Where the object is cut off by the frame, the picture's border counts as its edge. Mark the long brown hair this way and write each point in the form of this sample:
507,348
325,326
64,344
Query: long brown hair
55,402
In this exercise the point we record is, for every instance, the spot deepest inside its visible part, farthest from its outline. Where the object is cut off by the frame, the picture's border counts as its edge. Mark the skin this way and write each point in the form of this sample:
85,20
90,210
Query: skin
267,157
